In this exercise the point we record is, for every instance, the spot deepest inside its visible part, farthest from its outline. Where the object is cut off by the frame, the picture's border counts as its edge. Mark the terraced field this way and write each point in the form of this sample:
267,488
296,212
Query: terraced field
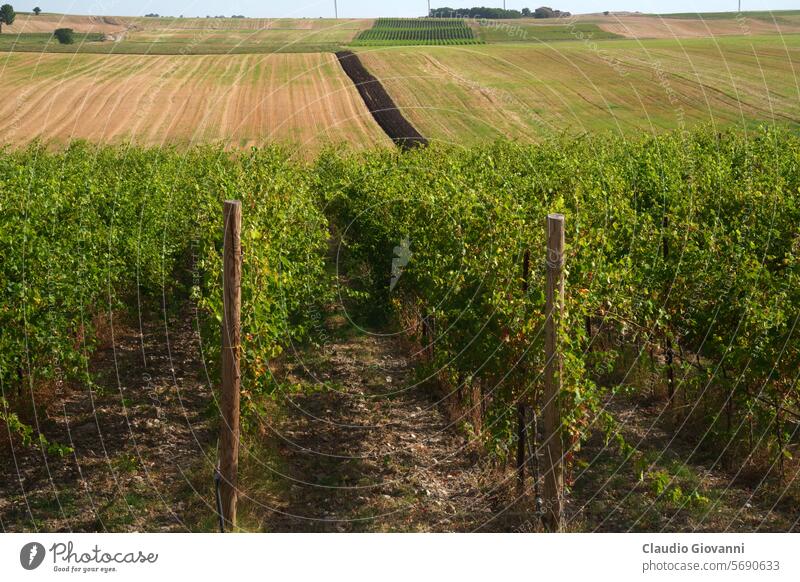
470,94
305,99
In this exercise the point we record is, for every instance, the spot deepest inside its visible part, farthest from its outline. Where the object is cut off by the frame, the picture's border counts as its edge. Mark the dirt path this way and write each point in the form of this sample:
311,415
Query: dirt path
137,434
371,450
355,443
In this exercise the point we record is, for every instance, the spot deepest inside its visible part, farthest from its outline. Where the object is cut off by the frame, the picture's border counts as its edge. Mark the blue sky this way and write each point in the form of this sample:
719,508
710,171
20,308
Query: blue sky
366,8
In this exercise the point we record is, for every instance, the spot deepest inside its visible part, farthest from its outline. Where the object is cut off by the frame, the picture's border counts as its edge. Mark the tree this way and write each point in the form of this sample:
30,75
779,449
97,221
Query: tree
64,35
7,15
37,11
544,12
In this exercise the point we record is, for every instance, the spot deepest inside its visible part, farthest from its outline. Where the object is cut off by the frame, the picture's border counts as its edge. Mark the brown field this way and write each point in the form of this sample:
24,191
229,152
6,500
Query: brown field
49,22
139,35
237,100
26,23
645,26
247,23
657,27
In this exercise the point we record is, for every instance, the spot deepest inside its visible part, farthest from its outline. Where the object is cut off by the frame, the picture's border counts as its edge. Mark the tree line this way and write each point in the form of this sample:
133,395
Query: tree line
496,13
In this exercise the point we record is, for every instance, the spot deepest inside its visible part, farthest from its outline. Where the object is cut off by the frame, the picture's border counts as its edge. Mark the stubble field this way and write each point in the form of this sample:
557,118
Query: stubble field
236,100
180,36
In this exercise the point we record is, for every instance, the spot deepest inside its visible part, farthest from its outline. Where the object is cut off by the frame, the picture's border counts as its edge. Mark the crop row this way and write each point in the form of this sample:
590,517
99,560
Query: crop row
416,31
91,232
683,252
419,23
684,246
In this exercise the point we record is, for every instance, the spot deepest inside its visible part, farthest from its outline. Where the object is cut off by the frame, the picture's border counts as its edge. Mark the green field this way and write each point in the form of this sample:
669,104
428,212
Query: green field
417,31
507,31
45,42
95,234
277,36
762,14
527,92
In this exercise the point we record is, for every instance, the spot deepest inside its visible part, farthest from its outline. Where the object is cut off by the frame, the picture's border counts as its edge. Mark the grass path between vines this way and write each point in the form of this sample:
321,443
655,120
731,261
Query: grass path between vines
363,446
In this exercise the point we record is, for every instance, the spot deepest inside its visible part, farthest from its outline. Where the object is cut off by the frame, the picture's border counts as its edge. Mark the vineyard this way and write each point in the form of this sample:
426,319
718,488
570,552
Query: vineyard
417,31
683,258
682,286
91,232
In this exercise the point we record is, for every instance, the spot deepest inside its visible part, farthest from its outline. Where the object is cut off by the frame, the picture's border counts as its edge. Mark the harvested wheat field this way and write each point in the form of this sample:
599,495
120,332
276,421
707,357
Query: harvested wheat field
240,100
667,27
171,23
27,23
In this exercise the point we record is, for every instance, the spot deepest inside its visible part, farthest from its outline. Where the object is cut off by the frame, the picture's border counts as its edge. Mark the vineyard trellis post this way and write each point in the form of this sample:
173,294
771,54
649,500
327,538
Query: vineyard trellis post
522,436
231,351
669,354
554,475
522,432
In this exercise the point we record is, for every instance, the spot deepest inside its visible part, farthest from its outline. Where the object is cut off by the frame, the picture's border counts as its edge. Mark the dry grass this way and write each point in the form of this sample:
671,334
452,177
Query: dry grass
237,100
25,23
646,26
136,35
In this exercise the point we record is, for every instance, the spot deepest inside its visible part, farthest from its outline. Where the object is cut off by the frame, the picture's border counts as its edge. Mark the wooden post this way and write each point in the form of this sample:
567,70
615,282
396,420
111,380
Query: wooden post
231,347
534,458
554,476
521,438
670,358
522,432
669,352
433,333
779,436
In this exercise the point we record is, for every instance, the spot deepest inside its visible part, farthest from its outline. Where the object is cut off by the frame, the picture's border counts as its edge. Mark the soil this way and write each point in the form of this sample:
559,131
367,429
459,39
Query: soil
379,103
374,450
134,432
353,442
700,491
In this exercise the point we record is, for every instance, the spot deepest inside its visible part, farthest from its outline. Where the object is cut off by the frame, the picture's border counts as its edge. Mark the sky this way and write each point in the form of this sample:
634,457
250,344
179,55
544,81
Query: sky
373,8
